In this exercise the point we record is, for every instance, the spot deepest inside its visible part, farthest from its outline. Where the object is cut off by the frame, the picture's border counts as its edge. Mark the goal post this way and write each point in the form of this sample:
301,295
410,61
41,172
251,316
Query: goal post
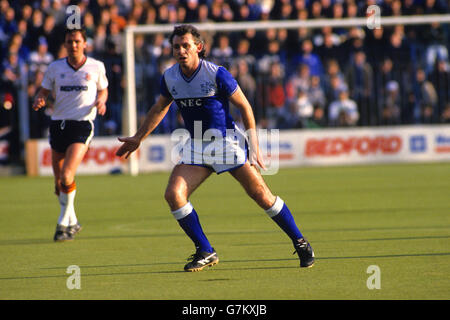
129,113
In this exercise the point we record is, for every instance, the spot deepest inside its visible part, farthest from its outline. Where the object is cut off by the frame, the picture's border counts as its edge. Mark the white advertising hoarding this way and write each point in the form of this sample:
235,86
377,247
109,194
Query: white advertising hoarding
295,148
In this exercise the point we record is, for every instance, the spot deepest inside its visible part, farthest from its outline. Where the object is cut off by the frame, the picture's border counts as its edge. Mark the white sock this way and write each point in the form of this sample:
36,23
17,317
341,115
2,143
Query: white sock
67,214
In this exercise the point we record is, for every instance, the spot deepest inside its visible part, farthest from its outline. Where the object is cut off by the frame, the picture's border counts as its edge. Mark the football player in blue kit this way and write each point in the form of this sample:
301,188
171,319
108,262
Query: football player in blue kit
203,91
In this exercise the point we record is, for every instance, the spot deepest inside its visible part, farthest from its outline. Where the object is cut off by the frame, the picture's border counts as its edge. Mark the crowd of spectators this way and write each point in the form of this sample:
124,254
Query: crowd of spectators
302,78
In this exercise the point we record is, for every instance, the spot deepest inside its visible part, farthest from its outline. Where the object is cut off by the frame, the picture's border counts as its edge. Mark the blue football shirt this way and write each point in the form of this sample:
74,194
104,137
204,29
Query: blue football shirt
202,97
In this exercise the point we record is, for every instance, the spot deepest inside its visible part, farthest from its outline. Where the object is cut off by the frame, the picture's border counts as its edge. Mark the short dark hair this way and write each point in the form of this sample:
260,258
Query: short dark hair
82,31
183,29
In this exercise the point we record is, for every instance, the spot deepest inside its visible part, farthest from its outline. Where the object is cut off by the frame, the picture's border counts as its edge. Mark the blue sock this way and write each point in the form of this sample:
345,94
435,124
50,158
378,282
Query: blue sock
188,220
282,216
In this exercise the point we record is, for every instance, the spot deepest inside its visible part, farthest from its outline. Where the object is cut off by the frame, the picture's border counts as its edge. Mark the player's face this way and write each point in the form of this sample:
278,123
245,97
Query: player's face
186,51
75,44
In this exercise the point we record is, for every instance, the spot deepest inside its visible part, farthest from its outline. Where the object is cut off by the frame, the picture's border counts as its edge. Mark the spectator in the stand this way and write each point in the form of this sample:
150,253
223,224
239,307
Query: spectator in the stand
351,10
344,111
100,39
333,80
105,17
41,58
52,33
338,13
398,51
116,17
255,10
137,13
22,27
382,77
35,28
440,77
445,116
327,8
354,41
434,7
8,23
272,55
203,13
222,53
375,44
286,11
301,110
150,15
243,13
58,12
275,96
89,25
227,13
359,78
242,53
425,98
299,5
436,45
328,46
114,72
310,58
115,35
11,74
299,81
248,84
16,45
316,95
192,9
26,12
215,12
408,8
316,10
391,114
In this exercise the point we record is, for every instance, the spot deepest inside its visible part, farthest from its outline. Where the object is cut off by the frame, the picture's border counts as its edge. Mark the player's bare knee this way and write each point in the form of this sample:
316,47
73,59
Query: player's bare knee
174,198
66,177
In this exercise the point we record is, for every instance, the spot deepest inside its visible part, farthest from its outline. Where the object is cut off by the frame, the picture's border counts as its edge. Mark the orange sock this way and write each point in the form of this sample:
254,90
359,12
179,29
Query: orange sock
69,188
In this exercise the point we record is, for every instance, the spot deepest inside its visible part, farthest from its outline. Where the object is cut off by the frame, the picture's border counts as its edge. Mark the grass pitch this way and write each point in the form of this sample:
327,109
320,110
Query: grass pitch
396,217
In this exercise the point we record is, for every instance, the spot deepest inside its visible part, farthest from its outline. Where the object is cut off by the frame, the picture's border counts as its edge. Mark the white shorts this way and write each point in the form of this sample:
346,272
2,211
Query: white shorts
221,155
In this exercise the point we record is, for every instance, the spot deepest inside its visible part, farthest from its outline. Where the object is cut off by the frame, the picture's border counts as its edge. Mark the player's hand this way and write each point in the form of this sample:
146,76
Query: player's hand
258,159
38,103
255,156
130,144
101,107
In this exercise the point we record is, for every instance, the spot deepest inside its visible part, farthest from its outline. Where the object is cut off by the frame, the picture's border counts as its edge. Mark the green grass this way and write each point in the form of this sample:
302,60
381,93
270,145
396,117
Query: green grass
394,216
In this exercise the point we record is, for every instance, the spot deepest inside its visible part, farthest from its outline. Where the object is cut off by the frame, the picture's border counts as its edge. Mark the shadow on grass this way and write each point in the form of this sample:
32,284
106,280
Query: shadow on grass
219,269
180,234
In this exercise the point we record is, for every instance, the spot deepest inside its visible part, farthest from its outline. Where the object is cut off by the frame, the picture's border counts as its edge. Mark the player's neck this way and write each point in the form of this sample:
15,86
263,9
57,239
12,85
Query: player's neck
76,61
188,71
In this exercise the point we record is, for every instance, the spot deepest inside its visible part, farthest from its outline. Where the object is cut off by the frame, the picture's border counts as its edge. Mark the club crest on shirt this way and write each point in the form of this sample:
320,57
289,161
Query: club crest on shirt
173,91
87,76
208,88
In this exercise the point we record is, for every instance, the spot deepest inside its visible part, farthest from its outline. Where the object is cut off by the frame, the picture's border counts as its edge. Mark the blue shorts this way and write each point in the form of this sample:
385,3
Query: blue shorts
63,133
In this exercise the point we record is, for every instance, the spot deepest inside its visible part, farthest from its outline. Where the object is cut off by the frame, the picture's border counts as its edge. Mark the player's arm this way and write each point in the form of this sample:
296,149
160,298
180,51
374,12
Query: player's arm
152,119
100,102
240,101
41,97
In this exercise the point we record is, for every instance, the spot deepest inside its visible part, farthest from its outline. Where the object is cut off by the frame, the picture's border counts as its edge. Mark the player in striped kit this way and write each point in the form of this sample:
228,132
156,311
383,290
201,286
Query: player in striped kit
202,91
79,85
